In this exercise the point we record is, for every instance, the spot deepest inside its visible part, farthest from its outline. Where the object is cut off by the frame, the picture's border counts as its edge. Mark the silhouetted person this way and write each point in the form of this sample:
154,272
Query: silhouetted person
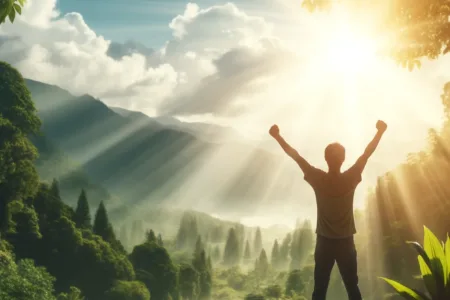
334,192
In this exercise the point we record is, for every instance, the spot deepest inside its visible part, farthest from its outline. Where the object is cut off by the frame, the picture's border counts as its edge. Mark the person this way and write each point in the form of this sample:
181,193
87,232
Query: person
334,191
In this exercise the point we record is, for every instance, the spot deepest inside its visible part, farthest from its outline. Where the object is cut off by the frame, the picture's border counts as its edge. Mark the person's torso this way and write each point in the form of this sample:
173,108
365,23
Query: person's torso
334,197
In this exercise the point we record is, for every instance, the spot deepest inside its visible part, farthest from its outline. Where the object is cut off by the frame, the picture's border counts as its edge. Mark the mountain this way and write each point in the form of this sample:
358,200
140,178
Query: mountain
146,162
52,163
211,133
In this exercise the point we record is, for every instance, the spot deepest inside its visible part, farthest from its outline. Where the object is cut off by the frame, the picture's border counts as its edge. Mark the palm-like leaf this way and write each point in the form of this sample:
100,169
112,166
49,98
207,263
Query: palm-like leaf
404,291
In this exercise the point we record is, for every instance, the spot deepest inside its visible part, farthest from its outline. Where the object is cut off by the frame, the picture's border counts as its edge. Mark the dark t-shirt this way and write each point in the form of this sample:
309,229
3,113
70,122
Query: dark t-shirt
334,197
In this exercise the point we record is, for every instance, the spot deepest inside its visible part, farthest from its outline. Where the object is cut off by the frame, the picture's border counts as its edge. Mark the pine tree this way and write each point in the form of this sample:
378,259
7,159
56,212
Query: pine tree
193,232
247,253
159,240
54,190
231,252
150,236
198,246
284,251
262,265
102,227
82,214
275,256
257,245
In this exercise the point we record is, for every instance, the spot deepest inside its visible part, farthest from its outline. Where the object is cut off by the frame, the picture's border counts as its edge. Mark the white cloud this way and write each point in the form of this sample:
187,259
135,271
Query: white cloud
208,45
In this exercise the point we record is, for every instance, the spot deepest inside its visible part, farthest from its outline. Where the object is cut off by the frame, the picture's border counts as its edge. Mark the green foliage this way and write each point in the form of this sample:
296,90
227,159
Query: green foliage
188,232
294,283
231,255
17,106
434,258
23,281
247,253
155,269
103,228
74,294
189,282
274,291
275,255
10,8
302,244
82,214
150,236
257,243
18,176
128,290
262,265
254,297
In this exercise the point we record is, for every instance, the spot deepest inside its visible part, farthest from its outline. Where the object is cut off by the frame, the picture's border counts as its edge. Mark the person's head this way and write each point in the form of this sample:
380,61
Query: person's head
335,155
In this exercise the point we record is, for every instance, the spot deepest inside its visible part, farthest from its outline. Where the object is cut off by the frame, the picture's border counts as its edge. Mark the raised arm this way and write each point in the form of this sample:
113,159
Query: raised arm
371,147
275,133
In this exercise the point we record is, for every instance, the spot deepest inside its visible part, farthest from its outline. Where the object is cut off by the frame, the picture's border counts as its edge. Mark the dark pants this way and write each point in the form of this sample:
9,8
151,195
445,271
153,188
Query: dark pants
343,252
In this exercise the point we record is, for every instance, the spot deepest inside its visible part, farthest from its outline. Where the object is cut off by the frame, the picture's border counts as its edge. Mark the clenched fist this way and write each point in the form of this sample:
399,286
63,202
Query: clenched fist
381,126
274,131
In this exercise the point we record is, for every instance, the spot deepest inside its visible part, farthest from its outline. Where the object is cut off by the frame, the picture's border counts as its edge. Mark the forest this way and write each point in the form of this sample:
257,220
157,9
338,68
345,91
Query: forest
54,248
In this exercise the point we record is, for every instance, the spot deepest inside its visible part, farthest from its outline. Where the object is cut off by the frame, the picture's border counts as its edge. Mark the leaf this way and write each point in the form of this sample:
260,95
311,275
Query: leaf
403,291
18,8
447,256
12,15
435,252
427,276
22,2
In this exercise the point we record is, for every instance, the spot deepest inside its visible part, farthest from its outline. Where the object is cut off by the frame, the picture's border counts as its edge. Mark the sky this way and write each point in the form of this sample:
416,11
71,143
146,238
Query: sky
244,64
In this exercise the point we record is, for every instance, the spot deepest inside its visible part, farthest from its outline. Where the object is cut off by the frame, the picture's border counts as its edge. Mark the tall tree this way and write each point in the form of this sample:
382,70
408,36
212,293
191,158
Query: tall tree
257,245
231,252
151,236
284,251
103,228
275,256
82,213
159,240
189,281
247,253
18,120
262,265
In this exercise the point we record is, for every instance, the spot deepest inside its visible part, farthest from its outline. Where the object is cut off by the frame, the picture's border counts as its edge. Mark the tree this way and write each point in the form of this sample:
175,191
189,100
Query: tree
254,297
275,255
189,282
82,214
257,244
103,228
150,236
128,290
262,265
274,291
294,283
284,250
247,253
231,253
74,294
9,9
18,120
160,241
155,269
24,281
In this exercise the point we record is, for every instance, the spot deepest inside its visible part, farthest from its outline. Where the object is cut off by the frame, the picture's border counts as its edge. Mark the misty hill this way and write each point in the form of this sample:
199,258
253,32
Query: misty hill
145,162
52,163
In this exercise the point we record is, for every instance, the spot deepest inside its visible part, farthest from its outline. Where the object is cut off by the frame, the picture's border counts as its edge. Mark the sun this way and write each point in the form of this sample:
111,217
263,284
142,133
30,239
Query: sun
347,52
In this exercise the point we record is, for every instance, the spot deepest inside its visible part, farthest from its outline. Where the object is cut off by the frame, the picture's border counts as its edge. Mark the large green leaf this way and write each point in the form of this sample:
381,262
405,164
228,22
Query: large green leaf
435,252
447,256
404,291
421,252
427,276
